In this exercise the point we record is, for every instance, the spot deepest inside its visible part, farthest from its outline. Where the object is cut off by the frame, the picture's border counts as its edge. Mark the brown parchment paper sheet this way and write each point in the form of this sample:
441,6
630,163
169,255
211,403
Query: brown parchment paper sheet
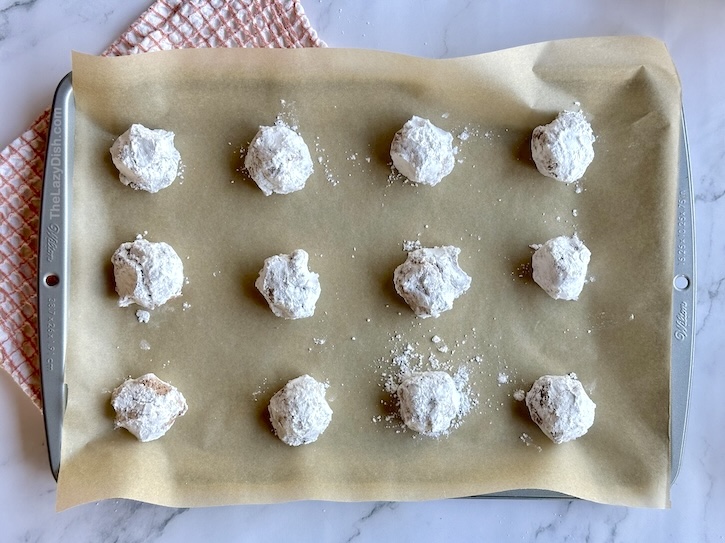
223,348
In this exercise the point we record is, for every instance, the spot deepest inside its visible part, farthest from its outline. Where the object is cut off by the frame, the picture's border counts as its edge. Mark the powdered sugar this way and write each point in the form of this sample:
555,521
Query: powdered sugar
559,405
430,280
299,412
278,160
147,407
147,273
411,245
290,288
563,149
560,267
146,159
422,152
429,402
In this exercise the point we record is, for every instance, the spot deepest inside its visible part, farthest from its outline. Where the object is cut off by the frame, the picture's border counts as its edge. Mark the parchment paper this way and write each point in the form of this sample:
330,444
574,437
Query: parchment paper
228,354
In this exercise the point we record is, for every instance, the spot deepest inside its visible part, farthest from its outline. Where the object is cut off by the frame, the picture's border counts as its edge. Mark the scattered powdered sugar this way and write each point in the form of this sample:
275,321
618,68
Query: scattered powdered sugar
519,395
503,378
394,176
324,161
143,316
263,388
288,115
411,245
527,440
144,345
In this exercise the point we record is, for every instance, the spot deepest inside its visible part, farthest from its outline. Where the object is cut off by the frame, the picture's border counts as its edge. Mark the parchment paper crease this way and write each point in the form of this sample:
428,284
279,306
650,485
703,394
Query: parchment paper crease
223,348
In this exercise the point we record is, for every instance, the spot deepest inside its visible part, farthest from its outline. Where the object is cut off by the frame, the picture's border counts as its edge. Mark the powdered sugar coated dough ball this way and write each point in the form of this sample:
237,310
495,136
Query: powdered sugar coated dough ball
422,152
146,159
429,402
560,406
278,160
147,407
563,148
299,411
430,280
147,273
290,288
560,267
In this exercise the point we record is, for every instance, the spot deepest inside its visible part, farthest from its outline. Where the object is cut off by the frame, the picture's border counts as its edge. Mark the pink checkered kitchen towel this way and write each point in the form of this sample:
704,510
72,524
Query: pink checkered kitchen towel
167,24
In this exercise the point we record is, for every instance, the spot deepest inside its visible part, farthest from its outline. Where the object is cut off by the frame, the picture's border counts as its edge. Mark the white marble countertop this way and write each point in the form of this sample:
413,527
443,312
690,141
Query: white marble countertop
36,37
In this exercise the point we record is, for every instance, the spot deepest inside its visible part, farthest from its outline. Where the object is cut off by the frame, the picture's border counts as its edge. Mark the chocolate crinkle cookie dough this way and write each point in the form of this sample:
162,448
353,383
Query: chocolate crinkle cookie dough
290,288
147,273
422,152
299,412
430,280
278,160
560,406
429,402
563,149
147,407
146,159
560,267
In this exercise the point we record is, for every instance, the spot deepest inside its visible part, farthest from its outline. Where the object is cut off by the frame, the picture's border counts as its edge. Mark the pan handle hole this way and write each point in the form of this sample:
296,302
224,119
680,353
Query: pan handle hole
681,282
52,280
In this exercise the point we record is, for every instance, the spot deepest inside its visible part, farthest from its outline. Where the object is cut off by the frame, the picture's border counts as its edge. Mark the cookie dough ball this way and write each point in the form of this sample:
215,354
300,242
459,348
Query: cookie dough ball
278,160
559,405
422,152
299,412
147,273
290,288
429,402
560,267
430,279
147,407
563,148
146,159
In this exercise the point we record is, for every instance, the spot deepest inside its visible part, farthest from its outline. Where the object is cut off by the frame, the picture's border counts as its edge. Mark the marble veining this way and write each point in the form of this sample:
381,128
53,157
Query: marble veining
36,37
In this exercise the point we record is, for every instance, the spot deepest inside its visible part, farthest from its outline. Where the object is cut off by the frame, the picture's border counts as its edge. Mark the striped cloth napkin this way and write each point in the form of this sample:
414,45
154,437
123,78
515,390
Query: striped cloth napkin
167,24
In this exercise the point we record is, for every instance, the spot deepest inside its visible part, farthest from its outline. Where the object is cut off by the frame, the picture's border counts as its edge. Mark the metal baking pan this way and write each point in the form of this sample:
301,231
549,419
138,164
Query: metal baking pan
54,280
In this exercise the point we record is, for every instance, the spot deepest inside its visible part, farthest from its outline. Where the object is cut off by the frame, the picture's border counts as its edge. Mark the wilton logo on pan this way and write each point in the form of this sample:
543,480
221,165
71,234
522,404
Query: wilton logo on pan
51,241
681,322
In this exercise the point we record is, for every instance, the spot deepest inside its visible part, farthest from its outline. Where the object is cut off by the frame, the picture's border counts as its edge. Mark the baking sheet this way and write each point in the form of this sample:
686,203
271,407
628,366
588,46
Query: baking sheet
228,354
